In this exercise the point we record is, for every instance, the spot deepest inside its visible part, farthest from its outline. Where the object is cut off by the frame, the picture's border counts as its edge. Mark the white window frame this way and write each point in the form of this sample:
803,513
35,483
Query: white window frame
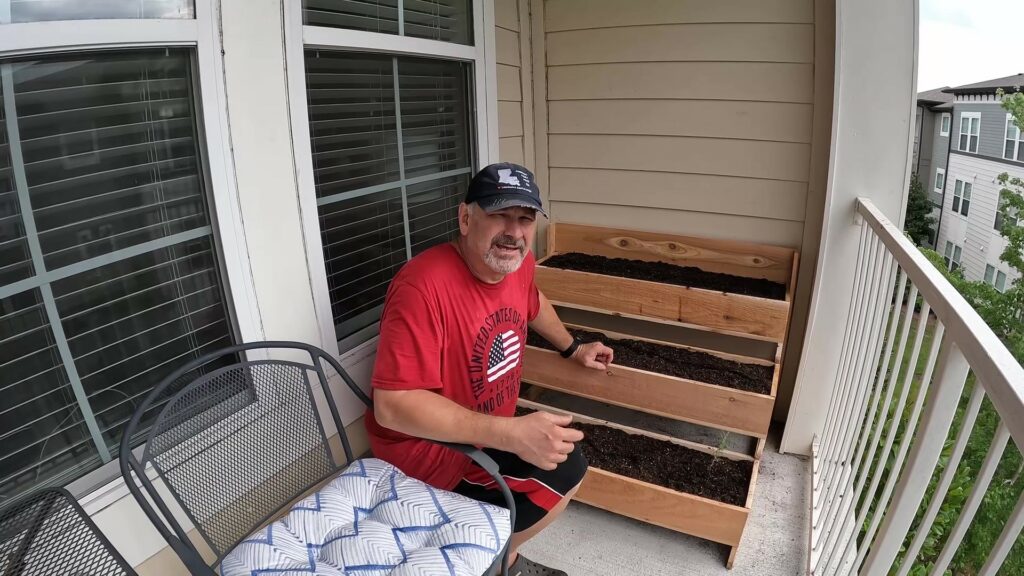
940,172
990,275
962,190
1000,281
976,134
202,35
298,38
1018,154
945,124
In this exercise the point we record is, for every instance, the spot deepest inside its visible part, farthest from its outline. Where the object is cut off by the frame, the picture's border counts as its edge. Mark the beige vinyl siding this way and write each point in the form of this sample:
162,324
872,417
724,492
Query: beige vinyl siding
508,53
700,110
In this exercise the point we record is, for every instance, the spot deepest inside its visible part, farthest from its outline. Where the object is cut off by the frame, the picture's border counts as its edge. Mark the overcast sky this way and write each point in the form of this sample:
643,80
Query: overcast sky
967,41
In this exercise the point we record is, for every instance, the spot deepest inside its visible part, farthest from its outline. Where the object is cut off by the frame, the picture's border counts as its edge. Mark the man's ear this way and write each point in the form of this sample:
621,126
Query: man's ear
464,218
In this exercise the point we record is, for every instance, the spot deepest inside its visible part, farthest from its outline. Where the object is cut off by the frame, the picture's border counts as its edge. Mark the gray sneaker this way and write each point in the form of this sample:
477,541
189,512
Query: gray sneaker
523,566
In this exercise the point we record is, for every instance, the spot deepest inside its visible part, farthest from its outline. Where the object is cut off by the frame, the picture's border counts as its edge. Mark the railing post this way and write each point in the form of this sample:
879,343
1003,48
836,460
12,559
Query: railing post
938,417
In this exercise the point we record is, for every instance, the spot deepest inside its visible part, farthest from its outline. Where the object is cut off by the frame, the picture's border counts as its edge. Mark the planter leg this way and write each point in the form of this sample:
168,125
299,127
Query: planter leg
732,557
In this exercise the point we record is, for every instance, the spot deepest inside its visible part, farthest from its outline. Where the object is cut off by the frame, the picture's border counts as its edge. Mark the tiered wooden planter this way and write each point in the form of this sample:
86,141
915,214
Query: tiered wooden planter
706,404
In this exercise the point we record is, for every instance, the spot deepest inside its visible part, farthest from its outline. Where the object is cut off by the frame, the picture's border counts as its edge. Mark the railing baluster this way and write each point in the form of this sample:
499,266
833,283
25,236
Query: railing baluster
862,466
839,390
963,523
865,378
854,393
942,403
925,527
1006,541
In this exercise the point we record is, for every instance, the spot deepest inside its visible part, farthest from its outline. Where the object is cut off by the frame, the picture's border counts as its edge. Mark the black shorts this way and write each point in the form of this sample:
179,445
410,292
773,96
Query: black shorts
535,491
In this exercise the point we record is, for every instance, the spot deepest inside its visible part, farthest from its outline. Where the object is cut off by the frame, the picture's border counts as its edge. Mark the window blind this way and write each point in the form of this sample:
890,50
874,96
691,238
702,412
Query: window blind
442,20
392,156
49,10
110,166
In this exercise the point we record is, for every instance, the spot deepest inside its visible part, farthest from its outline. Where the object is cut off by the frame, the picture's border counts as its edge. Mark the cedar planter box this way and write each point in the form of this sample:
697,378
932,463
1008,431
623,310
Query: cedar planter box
647,502
757,317
717,406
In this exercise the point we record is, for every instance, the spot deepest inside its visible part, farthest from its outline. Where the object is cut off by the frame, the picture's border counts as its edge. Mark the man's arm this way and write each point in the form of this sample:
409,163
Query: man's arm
592,355
540,438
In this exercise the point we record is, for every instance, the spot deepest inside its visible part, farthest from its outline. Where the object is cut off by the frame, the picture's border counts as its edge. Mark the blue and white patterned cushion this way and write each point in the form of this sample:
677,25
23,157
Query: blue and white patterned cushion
373,520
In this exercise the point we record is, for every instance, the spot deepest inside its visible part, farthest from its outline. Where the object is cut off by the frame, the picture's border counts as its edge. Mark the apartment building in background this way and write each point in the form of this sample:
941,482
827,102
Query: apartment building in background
964,140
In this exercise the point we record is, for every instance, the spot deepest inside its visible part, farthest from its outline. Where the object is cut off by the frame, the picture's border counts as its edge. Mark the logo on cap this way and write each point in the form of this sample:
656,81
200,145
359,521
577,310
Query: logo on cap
505,177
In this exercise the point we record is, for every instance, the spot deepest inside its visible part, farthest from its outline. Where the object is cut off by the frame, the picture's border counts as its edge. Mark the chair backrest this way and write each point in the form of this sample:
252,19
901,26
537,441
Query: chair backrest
48,533
234,438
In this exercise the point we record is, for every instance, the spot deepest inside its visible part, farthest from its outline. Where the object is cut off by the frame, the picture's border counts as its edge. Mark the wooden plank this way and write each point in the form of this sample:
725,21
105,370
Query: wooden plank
767,121
705,224
725,195
677,398
576,417
724,355
660,506
732,42
509,88
721,156
582,14
510,119
511,149
506,14
737,258
727,313
765,82
506,47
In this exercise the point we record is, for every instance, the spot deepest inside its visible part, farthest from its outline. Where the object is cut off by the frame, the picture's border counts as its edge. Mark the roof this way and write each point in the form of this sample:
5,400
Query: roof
937,96
1009,83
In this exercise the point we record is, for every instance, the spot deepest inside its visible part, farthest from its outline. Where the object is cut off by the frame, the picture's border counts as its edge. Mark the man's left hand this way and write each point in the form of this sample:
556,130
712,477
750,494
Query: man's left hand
594,355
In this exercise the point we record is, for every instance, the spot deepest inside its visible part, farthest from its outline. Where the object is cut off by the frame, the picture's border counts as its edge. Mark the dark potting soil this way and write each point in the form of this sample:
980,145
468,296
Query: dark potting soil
677,362
668,274
663,463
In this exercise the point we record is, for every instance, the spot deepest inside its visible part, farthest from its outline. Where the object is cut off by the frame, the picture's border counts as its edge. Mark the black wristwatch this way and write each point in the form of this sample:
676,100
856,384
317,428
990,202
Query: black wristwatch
568,352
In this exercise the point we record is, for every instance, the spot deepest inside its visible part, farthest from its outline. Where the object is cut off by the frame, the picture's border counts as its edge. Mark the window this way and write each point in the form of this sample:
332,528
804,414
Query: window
952,255
962,197
1014,148
393,140
944,124
444,20
1001,281
990,273
49,10
1010,219
970,129
109,270
940,179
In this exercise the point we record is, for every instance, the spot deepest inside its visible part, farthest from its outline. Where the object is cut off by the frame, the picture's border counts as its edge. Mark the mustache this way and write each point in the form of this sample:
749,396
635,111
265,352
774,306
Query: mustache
509,241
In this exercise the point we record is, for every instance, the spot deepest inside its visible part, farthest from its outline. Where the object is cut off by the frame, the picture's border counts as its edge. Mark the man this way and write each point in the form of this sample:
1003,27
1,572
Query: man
450,356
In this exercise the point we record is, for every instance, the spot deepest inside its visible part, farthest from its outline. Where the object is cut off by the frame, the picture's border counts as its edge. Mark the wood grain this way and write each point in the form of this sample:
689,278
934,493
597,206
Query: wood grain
737,258
688,400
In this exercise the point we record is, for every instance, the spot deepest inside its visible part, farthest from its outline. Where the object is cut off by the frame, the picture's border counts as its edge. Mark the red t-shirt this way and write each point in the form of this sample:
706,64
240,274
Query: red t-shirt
443,329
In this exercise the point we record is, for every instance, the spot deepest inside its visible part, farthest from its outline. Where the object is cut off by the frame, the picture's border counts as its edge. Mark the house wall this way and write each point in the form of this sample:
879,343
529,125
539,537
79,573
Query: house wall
939,157
976,232
993,126
689,117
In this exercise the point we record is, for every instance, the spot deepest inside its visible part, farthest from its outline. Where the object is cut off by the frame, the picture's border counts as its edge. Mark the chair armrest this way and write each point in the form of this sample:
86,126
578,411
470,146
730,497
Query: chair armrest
491,467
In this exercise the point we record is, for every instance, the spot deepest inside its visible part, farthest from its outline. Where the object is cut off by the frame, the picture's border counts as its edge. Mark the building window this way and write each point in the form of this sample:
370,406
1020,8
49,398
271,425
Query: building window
952,255
444,20
970,130
1009,219
945,121
51,10
1014,148
990,273
940,179
1000,281
109,269
962,197
393,140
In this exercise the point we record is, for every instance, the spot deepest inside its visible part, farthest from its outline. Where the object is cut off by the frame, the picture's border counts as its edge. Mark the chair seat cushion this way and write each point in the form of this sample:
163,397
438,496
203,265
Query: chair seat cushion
372,520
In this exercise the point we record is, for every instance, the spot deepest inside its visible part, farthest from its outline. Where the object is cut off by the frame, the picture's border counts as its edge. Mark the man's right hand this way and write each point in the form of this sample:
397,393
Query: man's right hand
542,438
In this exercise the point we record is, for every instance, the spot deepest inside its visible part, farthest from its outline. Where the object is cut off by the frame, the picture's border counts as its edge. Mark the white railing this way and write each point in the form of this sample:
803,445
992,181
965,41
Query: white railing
884,445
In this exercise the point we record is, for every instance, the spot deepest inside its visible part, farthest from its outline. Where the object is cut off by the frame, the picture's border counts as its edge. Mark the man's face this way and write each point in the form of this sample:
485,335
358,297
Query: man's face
499,239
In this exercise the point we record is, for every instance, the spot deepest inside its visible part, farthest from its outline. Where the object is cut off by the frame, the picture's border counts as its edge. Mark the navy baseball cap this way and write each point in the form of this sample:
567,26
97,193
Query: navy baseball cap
504,185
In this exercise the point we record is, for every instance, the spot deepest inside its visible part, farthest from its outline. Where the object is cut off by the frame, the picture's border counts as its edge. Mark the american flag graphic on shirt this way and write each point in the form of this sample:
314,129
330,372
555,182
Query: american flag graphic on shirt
504,355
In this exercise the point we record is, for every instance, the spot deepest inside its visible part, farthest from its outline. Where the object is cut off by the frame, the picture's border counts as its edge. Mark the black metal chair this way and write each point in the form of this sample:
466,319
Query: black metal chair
47,533
236,438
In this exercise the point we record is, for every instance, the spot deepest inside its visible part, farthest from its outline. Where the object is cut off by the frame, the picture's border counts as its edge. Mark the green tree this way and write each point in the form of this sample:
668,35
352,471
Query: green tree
919,220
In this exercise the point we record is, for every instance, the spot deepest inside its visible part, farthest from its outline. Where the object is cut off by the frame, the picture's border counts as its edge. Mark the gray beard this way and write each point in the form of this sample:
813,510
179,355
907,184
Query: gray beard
502,266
